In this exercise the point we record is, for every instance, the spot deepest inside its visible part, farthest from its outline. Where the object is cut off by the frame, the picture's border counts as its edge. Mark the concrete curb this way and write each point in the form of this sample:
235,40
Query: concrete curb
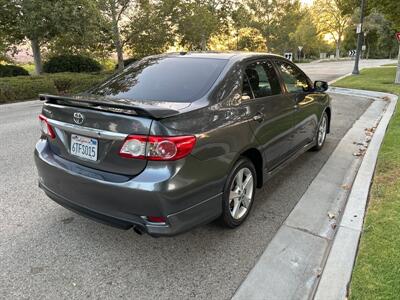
291,265
338,268
339,78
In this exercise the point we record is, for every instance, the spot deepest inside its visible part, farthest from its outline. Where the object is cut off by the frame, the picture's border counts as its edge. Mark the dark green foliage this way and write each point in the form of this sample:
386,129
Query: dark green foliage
62,84
71,63
10,70
26,88
151,28
380,38
390,8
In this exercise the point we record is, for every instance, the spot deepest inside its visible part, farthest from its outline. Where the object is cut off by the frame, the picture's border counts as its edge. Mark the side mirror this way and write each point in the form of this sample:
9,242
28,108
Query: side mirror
320,86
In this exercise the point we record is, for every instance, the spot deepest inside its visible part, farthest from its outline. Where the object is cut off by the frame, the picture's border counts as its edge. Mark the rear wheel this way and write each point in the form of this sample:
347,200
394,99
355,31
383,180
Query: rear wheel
321,132
238,193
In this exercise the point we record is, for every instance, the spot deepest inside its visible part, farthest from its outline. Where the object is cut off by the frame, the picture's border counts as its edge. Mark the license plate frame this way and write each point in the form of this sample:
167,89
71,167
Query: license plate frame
83,147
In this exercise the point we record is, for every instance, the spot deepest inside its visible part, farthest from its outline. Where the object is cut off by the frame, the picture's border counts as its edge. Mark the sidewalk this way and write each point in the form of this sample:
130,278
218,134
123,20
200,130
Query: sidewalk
292,264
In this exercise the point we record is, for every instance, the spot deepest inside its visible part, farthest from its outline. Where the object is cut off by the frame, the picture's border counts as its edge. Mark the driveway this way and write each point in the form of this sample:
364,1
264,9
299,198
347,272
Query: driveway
48,252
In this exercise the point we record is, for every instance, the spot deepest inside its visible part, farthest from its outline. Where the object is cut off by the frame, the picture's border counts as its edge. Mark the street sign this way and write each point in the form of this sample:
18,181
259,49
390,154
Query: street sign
359,27
398,36
300,48
352,52
364,47
289,56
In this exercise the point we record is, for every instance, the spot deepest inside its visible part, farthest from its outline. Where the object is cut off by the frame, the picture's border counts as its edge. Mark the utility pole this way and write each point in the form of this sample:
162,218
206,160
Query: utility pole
359,39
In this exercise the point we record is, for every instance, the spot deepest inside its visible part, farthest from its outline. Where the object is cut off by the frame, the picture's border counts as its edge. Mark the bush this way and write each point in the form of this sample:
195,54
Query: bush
71,63
26,88
128,62
10,70
62,84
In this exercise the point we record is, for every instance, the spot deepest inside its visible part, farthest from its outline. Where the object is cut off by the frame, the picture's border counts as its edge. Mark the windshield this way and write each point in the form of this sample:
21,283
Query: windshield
175,79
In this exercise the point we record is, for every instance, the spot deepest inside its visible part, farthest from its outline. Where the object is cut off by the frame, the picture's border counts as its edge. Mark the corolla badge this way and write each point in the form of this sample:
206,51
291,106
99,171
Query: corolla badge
79,118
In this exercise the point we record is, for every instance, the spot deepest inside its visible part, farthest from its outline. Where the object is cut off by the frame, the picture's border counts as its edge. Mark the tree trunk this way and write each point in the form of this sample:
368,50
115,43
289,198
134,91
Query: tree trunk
397,80
203,43
117,40
337,55
37,56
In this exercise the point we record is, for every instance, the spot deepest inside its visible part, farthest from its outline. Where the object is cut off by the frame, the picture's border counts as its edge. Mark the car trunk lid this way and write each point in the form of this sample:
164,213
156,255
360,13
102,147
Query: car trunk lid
100,129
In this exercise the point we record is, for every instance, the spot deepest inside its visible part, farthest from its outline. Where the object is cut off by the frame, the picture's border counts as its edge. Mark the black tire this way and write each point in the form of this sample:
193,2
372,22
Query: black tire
227,218
318,145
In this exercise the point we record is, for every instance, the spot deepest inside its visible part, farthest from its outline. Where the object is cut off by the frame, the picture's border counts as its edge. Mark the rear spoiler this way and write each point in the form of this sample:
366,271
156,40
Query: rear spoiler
150,111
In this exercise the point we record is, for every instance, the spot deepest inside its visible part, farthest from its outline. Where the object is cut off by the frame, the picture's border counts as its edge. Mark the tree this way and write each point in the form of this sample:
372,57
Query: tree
200,19
275,19
245,39
390,8
308,36
151,28
39,21
92,38
379,35
331,20
3,50
114,11
250,39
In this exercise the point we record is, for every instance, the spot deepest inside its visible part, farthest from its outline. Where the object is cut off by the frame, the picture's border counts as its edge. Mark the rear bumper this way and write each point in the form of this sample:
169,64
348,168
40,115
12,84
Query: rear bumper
122,202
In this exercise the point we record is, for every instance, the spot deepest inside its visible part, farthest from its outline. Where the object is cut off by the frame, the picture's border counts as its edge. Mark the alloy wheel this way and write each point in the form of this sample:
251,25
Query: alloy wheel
322,131
241,193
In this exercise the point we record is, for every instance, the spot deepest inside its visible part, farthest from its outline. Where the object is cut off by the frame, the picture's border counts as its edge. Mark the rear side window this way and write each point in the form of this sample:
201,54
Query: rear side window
261,80
293,78
174,79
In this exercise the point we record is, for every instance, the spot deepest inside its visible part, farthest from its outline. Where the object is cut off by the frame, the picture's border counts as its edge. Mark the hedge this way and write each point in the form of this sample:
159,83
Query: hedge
11,70
71,63
14,89
128,62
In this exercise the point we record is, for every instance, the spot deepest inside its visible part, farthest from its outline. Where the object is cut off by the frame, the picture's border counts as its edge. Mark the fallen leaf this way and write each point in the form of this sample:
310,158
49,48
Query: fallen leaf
67,220
346,186
318,272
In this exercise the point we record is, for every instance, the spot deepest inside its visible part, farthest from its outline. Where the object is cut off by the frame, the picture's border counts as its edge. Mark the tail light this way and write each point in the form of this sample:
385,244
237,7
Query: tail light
156,219
157,147
46,127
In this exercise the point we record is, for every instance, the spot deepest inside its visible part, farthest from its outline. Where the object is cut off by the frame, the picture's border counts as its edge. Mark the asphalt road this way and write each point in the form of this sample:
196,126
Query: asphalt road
48,252
331,70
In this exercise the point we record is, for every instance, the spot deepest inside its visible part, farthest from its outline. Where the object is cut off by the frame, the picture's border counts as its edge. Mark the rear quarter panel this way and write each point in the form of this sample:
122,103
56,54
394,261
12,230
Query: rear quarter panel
222,130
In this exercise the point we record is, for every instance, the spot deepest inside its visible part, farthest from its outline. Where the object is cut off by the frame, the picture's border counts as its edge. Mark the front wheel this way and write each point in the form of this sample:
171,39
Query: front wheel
238,193
321,133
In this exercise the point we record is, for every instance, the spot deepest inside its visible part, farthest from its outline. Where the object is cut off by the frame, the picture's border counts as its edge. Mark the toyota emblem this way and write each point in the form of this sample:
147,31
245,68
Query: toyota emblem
78,118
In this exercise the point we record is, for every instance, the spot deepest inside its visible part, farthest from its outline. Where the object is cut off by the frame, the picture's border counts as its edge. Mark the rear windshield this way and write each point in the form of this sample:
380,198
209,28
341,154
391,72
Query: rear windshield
175,79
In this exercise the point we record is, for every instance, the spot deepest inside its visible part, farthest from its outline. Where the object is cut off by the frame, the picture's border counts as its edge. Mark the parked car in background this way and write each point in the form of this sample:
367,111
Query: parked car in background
179,140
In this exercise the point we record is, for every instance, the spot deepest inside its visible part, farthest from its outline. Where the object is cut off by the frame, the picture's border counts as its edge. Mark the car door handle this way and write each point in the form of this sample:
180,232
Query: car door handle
259,117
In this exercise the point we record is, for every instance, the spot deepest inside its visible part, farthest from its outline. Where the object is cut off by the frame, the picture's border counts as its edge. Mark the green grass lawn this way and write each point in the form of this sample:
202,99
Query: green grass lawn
373,79
377,270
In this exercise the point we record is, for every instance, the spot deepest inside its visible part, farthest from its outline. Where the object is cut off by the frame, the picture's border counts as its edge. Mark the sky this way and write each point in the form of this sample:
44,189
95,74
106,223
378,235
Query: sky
308,2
